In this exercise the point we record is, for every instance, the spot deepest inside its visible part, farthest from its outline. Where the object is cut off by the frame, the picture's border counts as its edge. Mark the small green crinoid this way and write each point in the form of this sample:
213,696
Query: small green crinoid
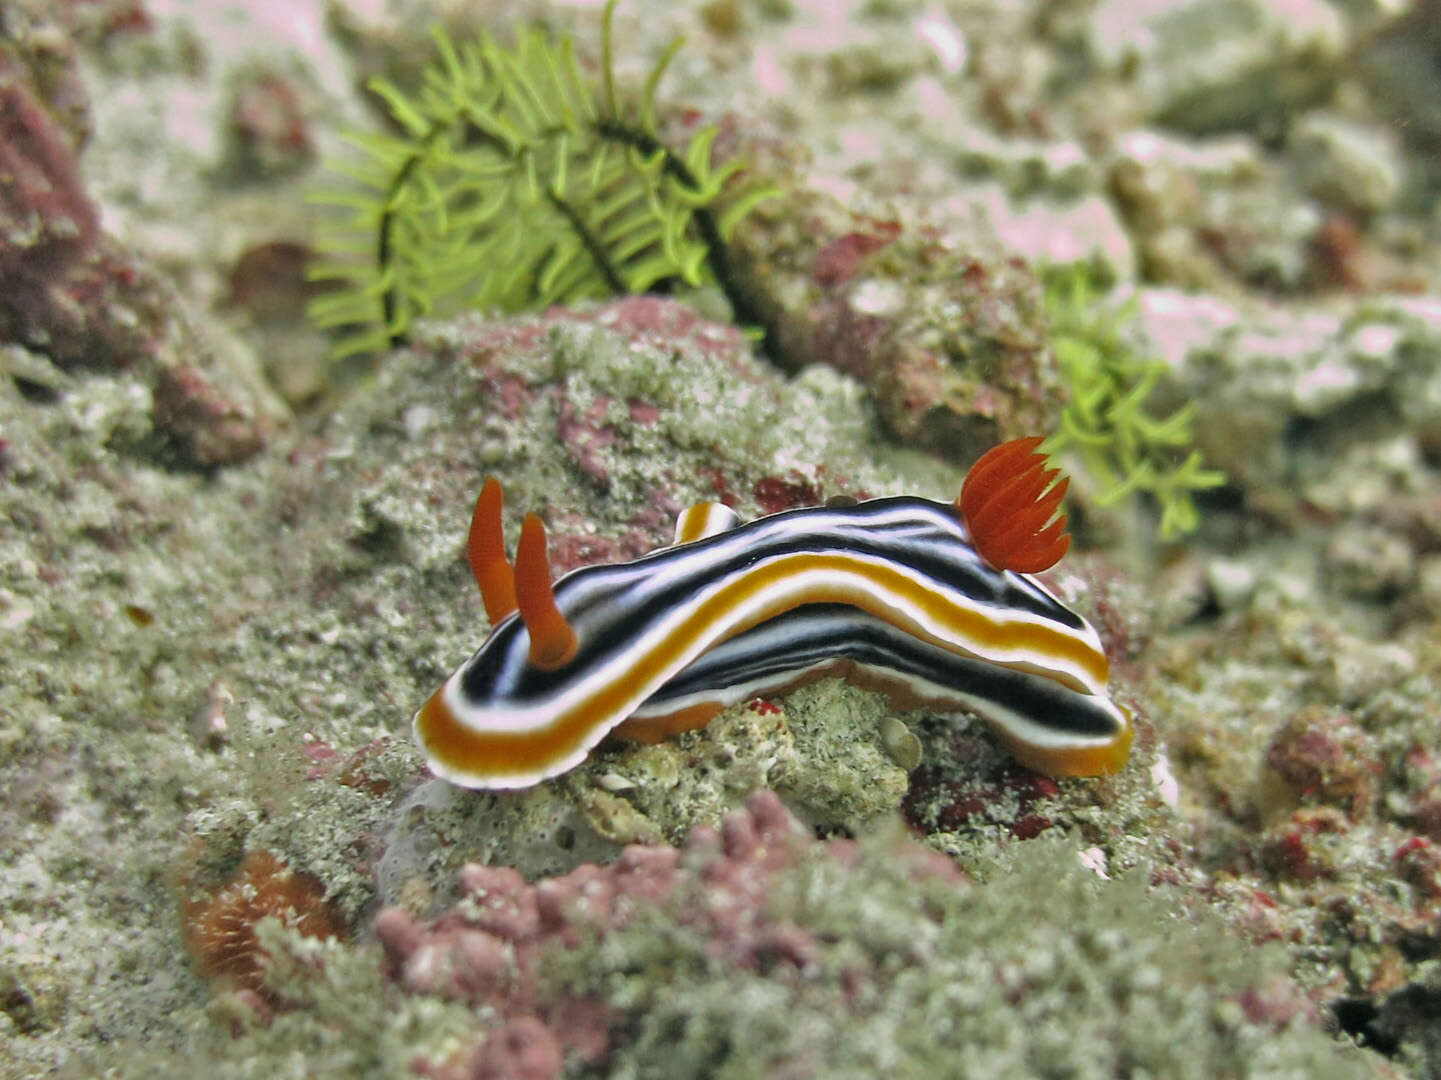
515,184
1123,446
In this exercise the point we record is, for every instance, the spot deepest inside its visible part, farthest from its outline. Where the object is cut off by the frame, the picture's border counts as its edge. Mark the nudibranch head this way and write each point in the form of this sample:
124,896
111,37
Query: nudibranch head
909,596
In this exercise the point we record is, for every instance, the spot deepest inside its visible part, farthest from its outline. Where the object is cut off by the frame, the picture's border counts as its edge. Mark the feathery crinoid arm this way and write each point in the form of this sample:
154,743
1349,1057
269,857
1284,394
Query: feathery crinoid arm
512,183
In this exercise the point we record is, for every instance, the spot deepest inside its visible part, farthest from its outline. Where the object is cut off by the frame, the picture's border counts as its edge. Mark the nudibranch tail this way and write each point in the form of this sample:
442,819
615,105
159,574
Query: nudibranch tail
1103,758
485,550
1006,505
552,638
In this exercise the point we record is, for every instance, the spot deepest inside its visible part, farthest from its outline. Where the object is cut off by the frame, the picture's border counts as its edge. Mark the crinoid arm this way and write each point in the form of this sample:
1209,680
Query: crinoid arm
512,183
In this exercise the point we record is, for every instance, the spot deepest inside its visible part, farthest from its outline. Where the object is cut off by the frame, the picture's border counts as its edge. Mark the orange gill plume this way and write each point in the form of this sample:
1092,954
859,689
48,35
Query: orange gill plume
1006,506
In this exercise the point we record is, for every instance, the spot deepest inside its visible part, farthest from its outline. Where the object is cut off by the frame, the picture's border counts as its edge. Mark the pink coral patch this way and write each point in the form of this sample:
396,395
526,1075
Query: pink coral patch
489,950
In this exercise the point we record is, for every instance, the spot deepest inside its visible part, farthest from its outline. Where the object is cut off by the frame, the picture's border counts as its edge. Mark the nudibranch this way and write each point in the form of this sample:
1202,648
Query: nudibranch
932,603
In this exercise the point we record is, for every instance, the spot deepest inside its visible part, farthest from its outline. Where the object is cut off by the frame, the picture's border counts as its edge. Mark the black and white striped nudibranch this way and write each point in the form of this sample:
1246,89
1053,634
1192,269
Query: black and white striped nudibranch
930,602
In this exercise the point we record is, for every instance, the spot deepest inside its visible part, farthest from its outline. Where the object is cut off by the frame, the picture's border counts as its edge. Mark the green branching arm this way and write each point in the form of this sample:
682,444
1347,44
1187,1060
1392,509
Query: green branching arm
511,184
1124,447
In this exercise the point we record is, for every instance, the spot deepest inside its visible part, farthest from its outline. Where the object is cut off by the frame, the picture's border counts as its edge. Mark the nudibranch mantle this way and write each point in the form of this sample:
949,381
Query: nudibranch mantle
890,593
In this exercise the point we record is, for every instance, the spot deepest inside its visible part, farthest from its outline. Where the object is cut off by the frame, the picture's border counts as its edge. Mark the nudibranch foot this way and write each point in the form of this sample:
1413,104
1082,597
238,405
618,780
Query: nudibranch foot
931,602
1046,725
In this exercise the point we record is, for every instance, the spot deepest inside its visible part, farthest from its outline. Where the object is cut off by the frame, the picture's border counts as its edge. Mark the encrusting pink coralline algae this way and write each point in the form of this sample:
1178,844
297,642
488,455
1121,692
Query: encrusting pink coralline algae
487,949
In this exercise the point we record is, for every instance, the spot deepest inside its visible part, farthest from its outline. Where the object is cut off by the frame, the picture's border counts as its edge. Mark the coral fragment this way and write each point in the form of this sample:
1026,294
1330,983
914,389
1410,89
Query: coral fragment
219,928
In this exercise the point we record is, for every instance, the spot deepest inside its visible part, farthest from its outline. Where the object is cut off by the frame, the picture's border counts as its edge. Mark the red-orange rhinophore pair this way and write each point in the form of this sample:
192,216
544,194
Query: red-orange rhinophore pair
525,587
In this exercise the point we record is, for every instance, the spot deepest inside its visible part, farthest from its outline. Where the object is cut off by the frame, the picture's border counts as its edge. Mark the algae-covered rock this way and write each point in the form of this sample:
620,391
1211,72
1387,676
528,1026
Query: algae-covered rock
1336,379
1354,166
1208,212
217,616
733,957
1213,65
926,309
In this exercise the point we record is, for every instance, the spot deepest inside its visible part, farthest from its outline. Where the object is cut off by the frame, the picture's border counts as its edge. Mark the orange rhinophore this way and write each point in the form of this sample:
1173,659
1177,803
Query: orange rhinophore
485,549
1006,506
552,640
